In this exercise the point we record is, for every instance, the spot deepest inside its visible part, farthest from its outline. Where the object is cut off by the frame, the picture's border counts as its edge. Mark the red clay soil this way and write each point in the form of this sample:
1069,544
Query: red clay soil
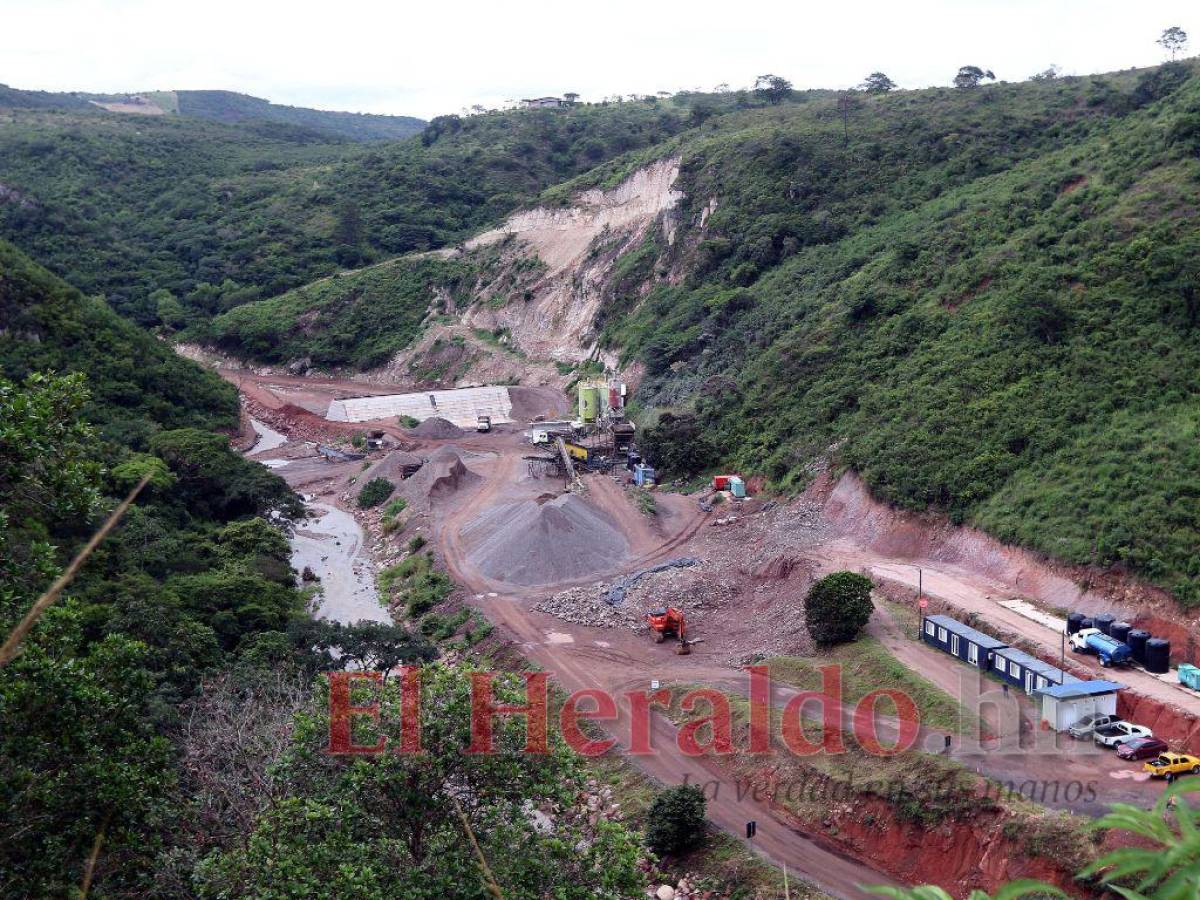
955,855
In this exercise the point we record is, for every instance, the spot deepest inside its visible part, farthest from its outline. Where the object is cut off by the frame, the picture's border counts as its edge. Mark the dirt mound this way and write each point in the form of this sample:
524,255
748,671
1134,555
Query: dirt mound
533,543
437,428
393,466
444,474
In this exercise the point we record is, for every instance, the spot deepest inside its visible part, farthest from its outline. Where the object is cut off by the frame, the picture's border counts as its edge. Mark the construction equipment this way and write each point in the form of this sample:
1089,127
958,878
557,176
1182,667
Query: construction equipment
483,424
669,622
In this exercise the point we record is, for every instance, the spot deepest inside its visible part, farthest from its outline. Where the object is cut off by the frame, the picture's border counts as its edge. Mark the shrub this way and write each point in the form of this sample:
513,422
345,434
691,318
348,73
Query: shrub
676,820
416,543
374,492
837,608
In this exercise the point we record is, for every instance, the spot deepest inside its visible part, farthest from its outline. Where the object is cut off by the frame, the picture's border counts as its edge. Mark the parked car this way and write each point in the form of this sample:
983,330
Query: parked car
1089,723
1118,733
1169,765
1142,748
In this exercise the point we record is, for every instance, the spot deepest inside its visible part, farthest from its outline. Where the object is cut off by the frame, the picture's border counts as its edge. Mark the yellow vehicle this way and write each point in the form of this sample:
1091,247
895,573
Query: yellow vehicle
1168,765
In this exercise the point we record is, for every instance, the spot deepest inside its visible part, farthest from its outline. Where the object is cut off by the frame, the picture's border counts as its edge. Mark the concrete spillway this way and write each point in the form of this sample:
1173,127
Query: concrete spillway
462,407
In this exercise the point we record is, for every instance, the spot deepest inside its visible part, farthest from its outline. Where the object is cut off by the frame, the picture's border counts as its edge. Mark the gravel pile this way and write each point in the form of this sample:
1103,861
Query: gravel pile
542,541
586,606
437,428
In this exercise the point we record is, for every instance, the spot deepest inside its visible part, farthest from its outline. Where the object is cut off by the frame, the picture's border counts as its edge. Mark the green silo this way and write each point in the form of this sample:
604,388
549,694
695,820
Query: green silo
589,402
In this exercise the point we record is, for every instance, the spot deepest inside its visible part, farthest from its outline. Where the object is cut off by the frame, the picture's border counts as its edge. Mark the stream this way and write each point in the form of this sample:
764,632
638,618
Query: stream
332,545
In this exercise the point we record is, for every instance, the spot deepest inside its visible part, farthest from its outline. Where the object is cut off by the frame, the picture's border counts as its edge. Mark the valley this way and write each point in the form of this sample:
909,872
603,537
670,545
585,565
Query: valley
884,396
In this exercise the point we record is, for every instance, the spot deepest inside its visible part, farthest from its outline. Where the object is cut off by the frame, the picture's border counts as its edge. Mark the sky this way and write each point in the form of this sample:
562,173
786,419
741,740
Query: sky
430,58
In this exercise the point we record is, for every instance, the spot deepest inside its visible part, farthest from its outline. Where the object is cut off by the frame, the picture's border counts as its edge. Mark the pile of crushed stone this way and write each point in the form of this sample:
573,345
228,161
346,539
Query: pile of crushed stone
436,428
542,541
586,606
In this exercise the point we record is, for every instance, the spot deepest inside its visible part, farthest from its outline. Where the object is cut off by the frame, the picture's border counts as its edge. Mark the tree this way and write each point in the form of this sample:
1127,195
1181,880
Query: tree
571,97
388,826
772,88
838,607
676,820
971,76
702,110
1174,40
348,235
877,83
679,445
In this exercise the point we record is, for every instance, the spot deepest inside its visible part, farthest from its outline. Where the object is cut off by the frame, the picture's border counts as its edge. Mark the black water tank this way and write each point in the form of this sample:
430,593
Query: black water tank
1074,621
1137,643
1158,655
1086,623
1104,622
1120,631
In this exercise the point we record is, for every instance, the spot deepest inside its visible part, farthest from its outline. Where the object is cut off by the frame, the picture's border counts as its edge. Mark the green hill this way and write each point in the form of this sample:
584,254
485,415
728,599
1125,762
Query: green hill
985,301
219,214
230,107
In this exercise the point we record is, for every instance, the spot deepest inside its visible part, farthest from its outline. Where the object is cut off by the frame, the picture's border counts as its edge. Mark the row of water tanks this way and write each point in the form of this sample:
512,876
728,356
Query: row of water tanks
1153,653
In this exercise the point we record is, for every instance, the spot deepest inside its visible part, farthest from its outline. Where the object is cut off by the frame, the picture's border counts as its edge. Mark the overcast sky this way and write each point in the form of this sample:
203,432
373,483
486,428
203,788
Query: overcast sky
432,57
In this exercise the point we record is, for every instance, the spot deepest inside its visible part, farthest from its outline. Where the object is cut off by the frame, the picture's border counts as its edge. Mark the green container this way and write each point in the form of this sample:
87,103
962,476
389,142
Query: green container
737,487
1189,676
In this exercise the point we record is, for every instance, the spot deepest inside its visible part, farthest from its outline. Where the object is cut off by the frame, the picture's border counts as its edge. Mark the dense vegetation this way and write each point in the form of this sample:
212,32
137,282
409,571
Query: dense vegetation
194,585
175,220
984,300
359,318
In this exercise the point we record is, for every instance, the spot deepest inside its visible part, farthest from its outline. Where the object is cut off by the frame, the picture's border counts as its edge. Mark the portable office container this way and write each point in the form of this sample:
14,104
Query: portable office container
1065,704
963,641
1027,672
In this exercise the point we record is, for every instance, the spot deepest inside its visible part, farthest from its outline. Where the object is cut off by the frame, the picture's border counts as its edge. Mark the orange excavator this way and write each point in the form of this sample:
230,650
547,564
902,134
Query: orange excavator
669,622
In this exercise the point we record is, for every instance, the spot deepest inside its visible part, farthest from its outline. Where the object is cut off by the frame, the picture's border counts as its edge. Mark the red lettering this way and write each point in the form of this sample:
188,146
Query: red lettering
484,707
907,716
341,715
639,726
760,709
830,700
410,710
569,716
719,720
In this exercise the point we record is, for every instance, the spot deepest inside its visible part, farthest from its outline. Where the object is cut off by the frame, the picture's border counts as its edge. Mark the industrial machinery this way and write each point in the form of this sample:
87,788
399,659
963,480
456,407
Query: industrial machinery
669,622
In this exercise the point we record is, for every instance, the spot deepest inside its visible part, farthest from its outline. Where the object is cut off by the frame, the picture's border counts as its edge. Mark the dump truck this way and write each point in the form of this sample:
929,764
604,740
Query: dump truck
483,424
1111,651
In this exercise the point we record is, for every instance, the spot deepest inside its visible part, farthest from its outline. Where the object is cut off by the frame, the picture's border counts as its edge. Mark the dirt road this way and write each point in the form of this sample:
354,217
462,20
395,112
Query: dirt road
617,660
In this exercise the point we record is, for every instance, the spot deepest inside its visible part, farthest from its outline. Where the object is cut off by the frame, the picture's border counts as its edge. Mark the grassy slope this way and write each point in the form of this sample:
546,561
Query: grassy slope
125,205
987,301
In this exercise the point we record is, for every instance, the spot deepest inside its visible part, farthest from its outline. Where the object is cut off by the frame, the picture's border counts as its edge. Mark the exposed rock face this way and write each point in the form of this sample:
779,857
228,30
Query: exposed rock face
578,246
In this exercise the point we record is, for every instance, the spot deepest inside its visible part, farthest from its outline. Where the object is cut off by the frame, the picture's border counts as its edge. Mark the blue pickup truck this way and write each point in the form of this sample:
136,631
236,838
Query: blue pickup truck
1111,651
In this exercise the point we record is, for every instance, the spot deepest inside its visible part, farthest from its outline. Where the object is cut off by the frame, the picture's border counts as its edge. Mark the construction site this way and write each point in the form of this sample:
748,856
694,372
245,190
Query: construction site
528,497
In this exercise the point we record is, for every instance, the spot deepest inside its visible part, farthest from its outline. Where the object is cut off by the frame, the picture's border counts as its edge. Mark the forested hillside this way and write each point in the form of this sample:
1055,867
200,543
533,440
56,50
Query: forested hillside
984,300
175,220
